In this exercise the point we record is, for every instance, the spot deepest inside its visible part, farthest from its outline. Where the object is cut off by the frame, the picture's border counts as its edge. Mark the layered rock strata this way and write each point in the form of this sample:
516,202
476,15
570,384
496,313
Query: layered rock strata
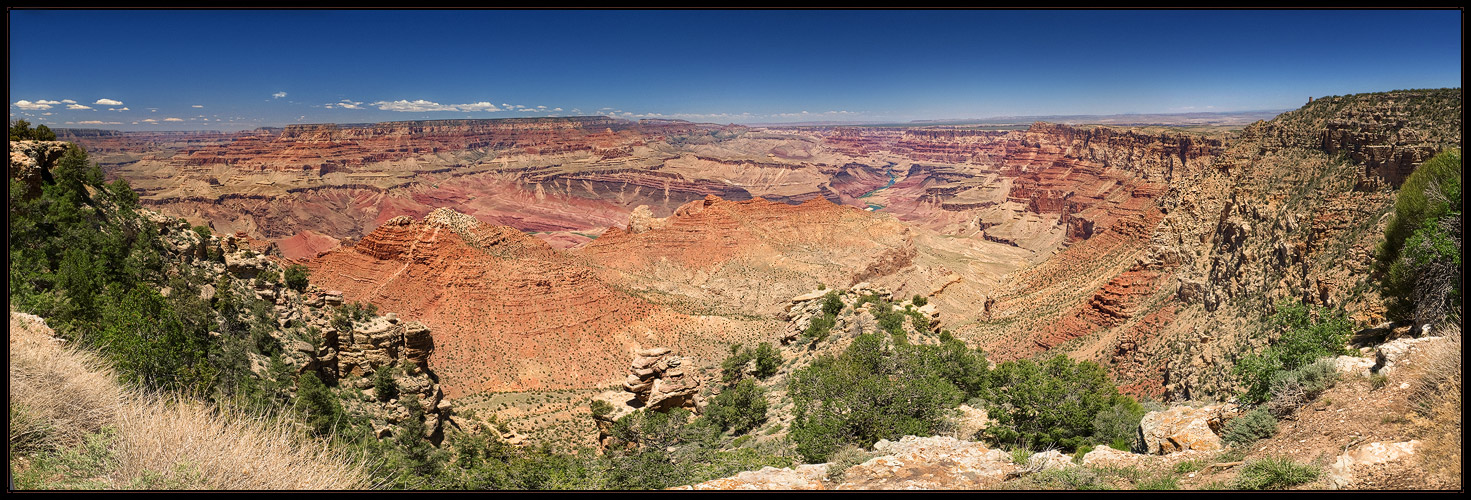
660,382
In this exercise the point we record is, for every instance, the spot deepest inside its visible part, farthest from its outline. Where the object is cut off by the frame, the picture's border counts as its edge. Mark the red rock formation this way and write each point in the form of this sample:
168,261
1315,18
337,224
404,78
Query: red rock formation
306,245
507,311
752,255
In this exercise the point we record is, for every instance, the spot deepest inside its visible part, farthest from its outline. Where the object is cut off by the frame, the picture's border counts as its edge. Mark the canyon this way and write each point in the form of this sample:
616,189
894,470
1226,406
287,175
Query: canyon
542,252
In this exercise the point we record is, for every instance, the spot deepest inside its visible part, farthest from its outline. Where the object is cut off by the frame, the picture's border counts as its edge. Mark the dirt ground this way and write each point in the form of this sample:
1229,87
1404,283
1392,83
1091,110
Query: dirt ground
1349,414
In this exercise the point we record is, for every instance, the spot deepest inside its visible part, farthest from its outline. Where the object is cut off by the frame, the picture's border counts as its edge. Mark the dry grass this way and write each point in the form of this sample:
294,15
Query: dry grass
1438,411
66,393
202,447
69,397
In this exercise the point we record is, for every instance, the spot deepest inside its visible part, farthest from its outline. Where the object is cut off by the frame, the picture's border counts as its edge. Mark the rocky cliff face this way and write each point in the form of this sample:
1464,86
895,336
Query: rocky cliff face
1279,214
508,312
31,163
303,323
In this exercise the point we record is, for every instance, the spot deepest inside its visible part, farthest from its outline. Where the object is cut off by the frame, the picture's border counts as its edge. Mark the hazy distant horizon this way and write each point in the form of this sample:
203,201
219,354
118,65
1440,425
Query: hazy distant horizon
160,69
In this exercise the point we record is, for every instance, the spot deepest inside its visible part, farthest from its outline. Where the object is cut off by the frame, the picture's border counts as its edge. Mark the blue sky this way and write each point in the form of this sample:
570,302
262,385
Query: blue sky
232,70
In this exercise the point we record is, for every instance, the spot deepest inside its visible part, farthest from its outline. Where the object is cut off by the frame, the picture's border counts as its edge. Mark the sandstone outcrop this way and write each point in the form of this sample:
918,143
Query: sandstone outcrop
31,163
661,381
802,477
1396,353
1183,428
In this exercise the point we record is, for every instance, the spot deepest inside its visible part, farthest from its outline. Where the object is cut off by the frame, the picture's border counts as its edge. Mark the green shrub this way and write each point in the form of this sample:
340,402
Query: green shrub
768,360
843,459
820,327
384,386
734,366
599,407
1070,478
1048,405
352,312
1021,455
324,413
832,304
1159,483
1294,388
1273,474
297,277
1420,256
874,390
1305,337
1246,429
1118,425
738,409
20,130
1189,466
1081,452
1378,381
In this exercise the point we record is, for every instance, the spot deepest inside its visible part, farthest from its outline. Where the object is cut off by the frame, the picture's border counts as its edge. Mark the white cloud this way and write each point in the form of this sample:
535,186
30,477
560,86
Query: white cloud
556,109
48,113
68,101
417,105
478,106
420,105
346,104
108,102
118,109
28,105
541,107
279,95
197,106
98,122
149,120
172,119
77,106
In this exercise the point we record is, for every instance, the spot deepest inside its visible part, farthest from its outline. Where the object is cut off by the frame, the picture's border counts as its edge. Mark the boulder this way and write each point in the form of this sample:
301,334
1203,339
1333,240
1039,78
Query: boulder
1104,455
1183,428
1340,474
1353,365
